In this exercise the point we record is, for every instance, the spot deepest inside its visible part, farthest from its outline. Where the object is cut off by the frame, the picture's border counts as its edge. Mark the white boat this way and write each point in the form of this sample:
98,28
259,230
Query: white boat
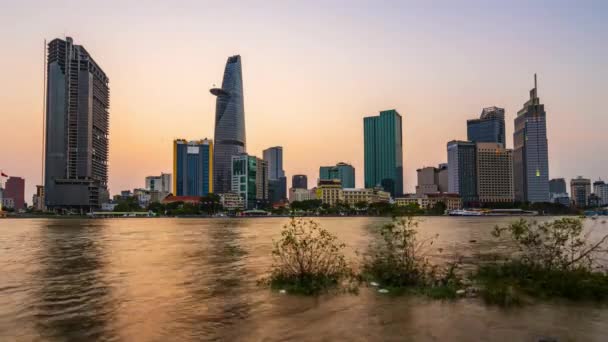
462,212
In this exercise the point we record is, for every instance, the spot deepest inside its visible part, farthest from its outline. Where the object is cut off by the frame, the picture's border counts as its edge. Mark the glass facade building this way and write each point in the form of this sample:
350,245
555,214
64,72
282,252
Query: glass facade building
250,180
229,123
530,151
383,152
490,127
299,182
192,167
77,129
274,157
557,186
462,170
277,183
342,171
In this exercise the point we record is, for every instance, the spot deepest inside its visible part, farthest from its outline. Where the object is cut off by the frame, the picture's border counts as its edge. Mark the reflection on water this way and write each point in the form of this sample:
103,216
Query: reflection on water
73,299
195,279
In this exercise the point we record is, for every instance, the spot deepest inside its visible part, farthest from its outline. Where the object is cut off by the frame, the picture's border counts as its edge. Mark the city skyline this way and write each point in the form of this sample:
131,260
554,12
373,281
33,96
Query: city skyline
287,91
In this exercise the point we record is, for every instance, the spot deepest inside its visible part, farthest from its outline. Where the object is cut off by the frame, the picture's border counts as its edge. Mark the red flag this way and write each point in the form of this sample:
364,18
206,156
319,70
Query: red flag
3,174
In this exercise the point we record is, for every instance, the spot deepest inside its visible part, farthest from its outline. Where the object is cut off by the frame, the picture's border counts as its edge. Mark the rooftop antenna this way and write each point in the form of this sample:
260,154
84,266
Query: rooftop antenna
43,114
535,84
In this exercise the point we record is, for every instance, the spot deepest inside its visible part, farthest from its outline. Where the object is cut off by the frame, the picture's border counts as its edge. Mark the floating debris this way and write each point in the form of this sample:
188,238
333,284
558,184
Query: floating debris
382,291
460,292
374,284
282,291
472,241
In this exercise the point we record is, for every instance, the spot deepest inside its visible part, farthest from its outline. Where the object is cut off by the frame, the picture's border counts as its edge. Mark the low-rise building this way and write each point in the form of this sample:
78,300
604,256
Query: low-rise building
184,199
375,195
330,192
8,203
428,201
561,198
38,198
432,179
108,206
299,194
231,201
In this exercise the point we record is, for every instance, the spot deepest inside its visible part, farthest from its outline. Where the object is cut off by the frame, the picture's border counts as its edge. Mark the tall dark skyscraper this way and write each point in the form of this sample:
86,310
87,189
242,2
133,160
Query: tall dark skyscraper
277,182
274,157
383,151
462,170
77,124
490,127
229,124
299,182
530,151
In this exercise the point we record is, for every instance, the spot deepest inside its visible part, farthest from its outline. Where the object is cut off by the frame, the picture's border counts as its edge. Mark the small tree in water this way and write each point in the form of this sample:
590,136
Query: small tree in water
400,260
554,259
308,259
555,245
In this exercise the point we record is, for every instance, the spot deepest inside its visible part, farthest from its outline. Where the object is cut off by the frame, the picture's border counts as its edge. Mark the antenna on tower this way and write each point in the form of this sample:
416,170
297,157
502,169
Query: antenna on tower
535,84
43,113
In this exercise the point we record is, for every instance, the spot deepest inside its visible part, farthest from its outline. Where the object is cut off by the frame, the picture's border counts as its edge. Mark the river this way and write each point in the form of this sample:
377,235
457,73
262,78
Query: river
195,279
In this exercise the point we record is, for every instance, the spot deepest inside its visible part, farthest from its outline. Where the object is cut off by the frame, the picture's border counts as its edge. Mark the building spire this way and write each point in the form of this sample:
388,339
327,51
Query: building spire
535,84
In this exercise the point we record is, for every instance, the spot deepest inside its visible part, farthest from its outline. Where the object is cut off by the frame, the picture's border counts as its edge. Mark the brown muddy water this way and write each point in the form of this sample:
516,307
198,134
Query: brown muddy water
195,279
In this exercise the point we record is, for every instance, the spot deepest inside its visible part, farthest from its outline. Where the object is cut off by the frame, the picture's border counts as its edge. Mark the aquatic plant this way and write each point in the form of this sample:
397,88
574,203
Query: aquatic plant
400,261
308,259
553,259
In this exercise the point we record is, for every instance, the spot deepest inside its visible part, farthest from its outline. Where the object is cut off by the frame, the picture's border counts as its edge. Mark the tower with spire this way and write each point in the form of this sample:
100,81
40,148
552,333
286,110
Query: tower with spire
530,151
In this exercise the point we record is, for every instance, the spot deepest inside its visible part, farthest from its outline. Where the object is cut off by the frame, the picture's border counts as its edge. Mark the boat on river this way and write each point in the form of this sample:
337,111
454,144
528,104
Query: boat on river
462,212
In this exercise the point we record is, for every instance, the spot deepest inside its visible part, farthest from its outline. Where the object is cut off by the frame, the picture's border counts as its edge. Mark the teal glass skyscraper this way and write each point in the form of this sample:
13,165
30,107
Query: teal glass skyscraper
383,151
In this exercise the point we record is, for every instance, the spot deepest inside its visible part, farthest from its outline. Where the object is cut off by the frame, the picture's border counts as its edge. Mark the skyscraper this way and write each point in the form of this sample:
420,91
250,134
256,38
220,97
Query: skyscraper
342,171
383,151
229,124
77,127
299,182
192,167
494,173
250,180
600,189
580,189
274,157
462,170
277,183
490,127
530,151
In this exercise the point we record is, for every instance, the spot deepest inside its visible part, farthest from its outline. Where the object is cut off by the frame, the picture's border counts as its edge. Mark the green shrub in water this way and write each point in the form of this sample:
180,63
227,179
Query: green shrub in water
308,259
399,261
554,259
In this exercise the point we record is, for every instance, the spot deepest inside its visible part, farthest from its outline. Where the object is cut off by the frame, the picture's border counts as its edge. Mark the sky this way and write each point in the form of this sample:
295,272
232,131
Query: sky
311,71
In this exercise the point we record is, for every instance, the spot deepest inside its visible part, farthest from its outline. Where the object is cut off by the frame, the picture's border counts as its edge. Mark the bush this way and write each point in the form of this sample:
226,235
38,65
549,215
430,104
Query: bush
308,259
555,245
554,259
400,262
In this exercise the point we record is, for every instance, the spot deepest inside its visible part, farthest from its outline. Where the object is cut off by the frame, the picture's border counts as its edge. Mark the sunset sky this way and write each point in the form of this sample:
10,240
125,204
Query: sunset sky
312,70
